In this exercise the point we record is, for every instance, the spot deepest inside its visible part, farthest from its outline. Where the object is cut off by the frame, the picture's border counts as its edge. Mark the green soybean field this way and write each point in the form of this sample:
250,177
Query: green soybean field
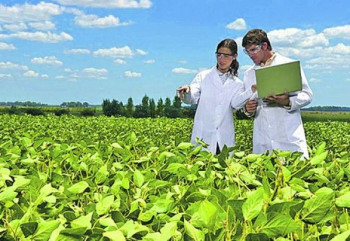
106,178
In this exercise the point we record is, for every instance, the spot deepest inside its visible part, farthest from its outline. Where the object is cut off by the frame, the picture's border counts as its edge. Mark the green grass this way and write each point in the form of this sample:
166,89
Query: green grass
325,116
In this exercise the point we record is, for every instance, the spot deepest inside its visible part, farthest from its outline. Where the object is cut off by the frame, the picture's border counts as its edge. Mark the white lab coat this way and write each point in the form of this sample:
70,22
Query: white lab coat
213,121
277,128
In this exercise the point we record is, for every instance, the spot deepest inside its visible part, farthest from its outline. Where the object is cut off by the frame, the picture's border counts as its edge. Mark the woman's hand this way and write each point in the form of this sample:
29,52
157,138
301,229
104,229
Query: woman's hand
182,90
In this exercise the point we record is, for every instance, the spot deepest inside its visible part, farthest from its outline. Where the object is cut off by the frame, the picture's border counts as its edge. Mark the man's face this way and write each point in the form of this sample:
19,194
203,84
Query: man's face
254,51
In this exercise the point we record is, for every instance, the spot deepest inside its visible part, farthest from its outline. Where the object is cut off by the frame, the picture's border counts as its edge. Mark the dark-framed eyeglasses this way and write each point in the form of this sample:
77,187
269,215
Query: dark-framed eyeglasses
223,55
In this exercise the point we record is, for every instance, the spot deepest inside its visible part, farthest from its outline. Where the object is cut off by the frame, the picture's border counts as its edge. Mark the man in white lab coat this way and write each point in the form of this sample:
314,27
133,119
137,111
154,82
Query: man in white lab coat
278,124
217,91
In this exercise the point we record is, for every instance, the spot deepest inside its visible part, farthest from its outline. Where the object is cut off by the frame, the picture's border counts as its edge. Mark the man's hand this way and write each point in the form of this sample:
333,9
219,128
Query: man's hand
250,106
282,99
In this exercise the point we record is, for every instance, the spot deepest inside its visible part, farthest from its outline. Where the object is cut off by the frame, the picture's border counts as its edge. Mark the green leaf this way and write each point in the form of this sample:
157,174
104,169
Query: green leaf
21,181
162,205
79,187
343,201
104,205
257,237
77,232
138,178
107,222
206,214
184,145
320,148
147,216
317,207
44,192
168,231
253,205
8,194
45,229
165,155
319,158
279,225
130,228
174,167
82,221
194,233
101,175
29,228
342,237
115,235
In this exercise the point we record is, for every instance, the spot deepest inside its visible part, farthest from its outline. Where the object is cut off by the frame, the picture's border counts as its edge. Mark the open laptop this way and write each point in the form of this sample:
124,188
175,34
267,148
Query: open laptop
278,79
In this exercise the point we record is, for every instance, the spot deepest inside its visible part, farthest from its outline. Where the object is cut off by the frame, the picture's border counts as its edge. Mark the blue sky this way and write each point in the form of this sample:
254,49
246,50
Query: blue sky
82,50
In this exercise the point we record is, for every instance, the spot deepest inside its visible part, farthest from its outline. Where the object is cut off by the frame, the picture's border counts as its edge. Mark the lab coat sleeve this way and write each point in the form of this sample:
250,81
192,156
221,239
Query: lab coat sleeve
241,96
304,97
192,97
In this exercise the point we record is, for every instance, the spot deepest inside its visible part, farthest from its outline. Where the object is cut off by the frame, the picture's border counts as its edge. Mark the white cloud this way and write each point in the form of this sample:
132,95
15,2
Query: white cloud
77,51
5,46
5,76
338,32
184,71
93,21
93,73
338,49
119,61
109,3
49,60
39,36
314,40
130,74
43,26
31,73
149,61
15,27
141,52
44,76
238,24
10,65
327,63
29,12
297,38
114,52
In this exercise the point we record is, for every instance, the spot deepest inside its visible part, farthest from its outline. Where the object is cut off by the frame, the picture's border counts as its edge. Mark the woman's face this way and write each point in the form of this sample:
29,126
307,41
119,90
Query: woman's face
224,58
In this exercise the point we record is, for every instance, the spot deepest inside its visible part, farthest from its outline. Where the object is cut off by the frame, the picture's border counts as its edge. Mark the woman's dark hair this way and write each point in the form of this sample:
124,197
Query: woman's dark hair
232,45
256,36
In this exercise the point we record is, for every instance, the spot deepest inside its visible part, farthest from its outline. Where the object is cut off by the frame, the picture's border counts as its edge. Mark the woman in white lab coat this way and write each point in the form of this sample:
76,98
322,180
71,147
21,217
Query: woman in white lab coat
217,92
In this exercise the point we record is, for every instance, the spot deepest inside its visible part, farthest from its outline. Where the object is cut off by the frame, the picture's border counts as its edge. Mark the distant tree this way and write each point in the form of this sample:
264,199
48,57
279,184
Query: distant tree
62,111
121,109
160,107
177,102
107,107
169,110
88,112
85,104
34,111
129,108
152,108
143,111
167,102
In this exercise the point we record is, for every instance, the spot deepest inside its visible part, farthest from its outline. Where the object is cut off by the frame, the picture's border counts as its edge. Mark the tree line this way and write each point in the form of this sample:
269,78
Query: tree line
148,108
